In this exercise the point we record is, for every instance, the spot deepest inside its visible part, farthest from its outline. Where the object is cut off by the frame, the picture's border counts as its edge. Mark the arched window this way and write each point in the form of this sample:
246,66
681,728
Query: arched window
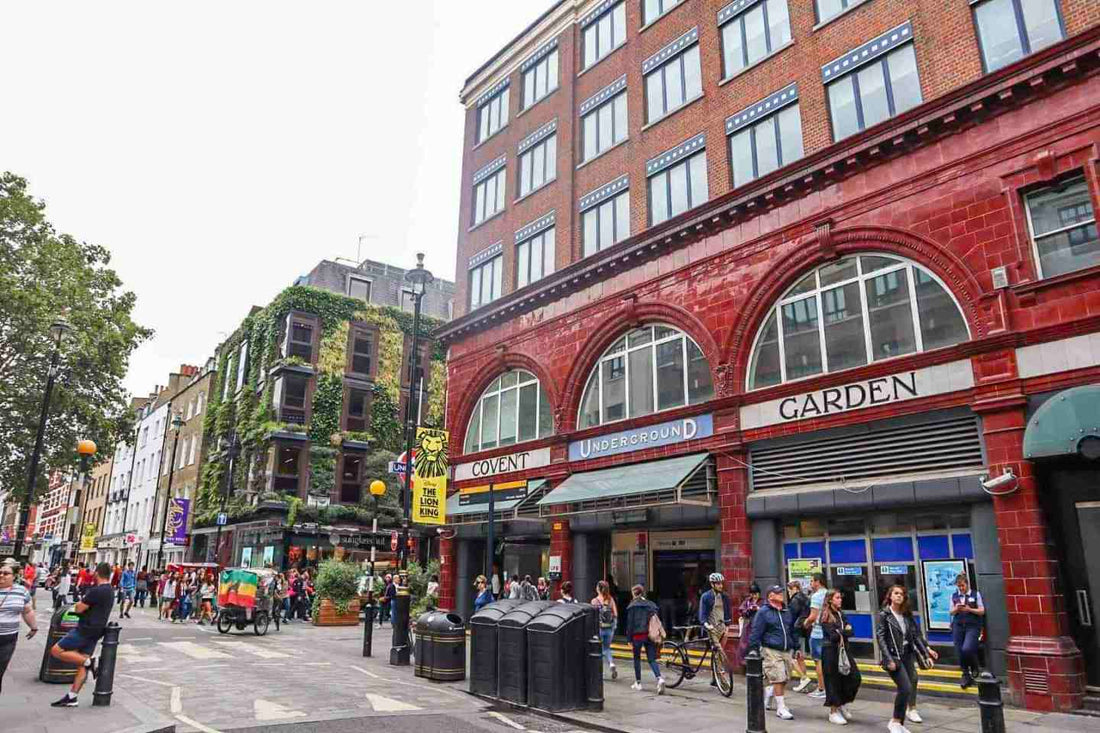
852,312
650,369
511,410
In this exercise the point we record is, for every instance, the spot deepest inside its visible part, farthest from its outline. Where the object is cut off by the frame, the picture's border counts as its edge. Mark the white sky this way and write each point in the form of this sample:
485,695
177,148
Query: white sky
221,149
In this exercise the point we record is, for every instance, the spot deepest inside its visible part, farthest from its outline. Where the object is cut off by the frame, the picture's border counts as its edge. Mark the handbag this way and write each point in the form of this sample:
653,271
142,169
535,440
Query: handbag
656,630
844,662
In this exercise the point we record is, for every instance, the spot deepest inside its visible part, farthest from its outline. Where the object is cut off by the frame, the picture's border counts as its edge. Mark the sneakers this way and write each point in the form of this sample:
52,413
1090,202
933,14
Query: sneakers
784,714
636,686
845,712
818,694
966,681
68,701
896,727
614,672
801,686
837,719
660,685
913,716
768,699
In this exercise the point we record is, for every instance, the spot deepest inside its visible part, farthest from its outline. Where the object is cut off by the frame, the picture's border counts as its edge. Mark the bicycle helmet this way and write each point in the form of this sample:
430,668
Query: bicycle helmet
716,578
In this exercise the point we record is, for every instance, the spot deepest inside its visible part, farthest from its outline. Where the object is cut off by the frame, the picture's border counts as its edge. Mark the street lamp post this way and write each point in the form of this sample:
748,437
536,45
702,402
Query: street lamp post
177,423
86,449
420,279
234,450
377,489
58,329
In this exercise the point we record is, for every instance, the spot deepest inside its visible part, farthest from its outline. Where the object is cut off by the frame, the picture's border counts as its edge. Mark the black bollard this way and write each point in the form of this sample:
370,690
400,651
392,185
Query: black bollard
401,653
105,677
368,629
595,673
989,703
754,689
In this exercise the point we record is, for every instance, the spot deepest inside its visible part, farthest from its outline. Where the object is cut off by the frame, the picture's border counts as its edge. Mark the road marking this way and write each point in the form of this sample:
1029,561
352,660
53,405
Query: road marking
269,664
382,704
195,651
145,679
368,674
442,690
176,704
266,710
196,724
209,666
506,720
135,655
316,664
254,650
142,638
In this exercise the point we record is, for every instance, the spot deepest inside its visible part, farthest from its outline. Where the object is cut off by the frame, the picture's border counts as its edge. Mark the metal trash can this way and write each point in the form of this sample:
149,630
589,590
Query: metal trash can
52,670
483,646
512,650
440,647
557,653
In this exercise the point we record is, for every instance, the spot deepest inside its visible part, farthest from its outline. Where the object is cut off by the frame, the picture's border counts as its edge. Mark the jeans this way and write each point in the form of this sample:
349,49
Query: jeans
966,644
905,678
606,635
139,597
650,654
7,648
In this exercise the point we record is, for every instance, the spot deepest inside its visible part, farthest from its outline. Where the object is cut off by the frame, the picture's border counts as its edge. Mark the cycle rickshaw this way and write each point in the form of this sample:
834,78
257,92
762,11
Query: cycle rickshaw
245,598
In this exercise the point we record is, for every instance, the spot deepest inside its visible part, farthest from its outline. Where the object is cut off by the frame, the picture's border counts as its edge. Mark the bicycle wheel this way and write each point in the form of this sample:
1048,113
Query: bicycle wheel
676,664
261,622
719,667
224,622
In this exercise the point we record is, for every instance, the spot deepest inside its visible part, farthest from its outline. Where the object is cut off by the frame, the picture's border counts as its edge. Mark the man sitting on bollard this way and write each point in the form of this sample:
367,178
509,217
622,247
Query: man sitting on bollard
78,646
771,634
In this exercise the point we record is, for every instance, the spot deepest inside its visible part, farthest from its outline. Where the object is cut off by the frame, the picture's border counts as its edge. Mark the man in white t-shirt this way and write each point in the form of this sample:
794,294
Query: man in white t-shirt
817,635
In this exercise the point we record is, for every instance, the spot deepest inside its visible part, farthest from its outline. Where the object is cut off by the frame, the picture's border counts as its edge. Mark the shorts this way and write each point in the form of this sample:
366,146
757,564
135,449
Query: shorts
128,594
77,640
815,647
33,589
777,665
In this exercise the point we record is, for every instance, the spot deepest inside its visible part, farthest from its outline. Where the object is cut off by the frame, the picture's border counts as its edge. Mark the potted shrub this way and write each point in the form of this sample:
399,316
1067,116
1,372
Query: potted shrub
336,598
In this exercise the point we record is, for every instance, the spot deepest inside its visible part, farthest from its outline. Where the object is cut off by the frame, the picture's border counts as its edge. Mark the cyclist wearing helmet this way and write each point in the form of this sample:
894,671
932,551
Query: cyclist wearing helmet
714,616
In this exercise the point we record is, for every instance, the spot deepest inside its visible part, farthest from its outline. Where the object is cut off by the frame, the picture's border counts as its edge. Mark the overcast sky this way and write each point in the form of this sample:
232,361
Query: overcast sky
221,149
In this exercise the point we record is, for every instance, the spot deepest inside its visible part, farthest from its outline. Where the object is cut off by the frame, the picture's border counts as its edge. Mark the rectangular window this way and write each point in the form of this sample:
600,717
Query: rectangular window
604,126
358,410
489,196
535,258
287,459
884,88
486,282
191,453
540,79
290,397
492,115
673,84
299,339
750,36
765,146
654,9
242,364
604,34
1063,228
827,9
350,479
606,223
678,188
361,352
538,165
359,288
1008,30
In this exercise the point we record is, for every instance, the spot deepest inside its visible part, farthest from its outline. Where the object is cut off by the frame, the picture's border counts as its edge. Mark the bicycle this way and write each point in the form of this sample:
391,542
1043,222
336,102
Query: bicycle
679,664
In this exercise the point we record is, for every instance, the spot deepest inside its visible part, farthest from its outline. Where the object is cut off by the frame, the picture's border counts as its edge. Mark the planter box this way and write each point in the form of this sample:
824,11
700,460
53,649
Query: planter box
328,616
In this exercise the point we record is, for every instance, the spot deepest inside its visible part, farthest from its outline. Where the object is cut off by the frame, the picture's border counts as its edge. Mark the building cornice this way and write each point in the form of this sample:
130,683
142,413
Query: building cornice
1012,87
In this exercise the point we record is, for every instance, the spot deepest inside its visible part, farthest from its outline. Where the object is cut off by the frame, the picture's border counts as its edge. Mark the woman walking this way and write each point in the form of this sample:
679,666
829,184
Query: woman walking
638,618
484,594
745,612
842,677
608,614
167,595
15,603
901,644
206,597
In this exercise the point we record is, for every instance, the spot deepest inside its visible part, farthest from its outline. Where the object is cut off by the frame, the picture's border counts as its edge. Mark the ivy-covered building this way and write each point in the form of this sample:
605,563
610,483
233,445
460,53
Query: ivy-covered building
314,387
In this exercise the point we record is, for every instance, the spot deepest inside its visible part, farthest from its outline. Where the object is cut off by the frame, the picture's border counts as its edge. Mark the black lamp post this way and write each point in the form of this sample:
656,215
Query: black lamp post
177,423
58,329
234,450
420,279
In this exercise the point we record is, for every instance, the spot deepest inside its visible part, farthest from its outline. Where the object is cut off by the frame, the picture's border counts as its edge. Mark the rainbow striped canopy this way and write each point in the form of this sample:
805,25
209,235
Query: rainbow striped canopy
237,587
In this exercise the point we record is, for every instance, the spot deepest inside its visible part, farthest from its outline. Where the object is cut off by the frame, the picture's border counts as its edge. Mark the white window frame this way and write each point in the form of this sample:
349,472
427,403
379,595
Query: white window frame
496,390
1054,232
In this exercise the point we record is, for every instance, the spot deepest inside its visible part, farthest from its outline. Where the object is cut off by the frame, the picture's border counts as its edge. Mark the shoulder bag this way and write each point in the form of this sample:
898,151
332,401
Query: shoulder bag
656,630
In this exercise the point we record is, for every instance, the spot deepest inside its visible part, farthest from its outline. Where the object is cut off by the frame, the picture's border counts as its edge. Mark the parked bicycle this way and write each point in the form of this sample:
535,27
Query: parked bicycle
677,659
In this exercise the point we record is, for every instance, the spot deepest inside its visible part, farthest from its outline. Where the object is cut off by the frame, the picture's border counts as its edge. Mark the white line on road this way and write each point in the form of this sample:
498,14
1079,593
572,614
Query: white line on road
176,704
368,674
209,666
195,651
142,638
253,649
442,690
383,704
506,720
269,664
145,679
196,724
267,710
316,664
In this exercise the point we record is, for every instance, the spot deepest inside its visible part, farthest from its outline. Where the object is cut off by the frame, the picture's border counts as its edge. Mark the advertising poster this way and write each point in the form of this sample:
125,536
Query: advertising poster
939,584
269,555
177,521
803,569
246,557
87,538
429,482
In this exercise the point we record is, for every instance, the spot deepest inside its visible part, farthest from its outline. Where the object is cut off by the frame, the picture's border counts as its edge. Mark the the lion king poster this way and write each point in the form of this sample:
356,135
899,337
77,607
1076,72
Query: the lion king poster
431,465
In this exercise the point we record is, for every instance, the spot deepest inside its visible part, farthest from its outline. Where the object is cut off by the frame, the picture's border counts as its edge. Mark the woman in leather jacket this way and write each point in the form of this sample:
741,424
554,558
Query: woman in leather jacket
899,643
840,689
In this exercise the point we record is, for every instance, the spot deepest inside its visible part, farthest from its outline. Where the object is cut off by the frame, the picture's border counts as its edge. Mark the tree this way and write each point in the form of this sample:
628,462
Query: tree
43,276
377,466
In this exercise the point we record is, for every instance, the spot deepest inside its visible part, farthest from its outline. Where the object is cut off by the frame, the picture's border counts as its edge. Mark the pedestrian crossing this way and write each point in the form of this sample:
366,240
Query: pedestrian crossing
216,650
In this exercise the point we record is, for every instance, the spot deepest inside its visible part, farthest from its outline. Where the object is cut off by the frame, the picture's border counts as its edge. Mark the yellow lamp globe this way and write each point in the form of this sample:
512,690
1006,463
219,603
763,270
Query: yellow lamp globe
86,448
377,488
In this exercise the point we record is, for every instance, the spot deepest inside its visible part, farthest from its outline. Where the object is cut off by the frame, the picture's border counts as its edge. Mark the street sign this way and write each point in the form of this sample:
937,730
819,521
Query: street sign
223,519
393,541
397,467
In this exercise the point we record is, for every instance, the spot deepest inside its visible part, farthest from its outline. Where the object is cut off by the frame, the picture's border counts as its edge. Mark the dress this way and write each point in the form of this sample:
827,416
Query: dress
840,689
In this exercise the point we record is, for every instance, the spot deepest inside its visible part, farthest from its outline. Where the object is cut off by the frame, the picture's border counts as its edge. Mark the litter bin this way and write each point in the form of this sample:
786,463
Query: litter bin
52,670
483,646
440,647
557,653
512,650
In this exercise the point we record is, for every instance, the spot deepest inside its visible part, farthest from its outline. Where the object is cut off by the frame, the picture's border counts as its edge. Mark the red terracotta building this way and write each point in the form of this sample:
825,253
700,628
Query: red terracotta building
767,286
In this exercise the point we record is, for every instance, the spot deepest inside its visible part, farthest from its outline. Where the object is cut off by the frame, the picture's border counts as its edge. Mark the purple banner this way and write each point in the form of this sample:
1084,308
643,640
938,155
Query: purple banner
177,520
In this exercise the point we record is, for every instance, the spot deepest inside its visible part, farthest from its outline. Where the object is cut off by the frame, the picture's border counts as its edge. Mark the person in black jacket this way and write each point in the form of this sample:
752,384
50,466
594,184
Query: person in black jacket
638,614
799,605
899,643
840,689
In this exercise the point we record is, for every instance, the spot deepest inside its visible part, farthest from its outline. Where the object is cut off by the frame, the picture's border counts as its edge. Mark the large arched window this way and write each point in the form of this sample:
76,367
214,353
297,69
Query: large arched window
511,410
652,368
848,313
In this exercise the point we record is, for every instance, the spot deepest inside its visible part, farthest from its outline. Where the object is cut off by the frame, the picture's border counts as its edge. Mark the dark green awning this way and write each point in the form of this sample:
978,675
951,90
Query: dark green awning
1064,424
683,480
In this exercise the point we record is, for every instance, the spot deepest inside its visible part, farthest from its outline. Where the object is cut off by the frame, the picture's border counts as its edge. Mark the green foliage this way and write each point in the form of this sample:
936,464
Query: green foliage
328,402
322,470
385,422
419,575
45,275
337,581
377,466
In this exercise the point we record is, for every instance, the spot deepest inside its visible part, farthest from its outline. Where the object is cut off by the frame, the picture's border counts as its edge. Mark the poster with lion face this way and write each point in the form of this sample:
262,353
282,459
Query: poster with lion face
431,466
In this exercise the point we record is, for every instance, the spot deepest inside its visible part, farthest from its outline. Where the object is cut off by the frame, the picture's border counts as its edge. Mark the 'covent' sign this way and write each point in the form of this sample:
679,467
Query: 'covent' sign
486,467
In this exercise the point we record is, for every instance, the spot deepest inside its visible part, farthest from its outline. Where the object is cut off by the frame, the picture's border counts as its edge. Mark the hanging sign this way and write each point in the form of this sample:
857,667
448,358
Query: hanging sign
508,491
486,467
177,521
431,464
650,436
803,570
87,538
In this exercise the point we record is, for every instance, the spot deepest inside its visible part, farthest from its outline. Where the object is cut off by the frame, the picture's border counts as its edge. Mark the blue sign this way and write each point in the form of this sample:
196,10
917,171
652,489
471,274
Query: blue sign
223,519
849,570
651,436
893,569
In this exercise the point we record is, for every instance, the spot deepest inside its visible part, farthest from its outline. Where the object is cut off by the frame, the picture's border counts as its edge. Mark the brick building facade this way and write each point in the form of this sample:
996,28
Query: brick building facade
881,283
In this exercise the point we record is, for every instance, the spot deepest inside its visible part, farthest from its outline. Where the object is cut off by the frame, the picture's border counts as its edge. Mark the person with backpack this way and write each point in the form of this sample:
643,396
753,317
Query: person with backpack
799,605
644,630
608,613
567,593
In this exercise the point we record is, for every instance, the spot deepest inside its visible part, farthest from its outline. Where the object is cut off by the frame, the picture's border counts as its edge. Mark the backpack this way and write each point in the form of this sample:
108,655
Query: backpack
530,592
607,616
656,630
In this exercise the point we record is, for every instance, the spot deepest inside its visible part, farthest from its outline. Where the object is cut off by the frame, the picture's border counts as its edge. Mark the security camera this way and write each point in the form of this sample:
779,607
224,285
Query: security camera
1004,481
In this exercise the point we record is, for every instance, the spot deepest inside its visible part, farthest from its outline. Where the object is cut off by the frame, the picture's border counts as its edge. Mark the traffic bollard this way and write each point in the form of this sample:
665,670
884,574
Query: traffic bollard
754,689
105,676
989,703
368,629
595,673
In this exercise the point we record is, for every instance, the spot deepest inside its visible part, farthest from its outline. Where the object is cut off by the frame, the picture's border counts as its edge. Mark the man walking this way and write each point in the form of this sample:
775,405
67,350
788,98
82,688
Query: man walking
78,646
127,585
771,634
799,606
817,636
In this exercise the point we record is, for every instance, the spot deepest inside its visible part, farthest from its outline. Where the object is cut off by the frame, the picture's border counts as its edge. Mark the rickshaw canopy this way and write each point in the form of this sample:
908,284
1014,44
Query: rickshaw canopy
242,586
